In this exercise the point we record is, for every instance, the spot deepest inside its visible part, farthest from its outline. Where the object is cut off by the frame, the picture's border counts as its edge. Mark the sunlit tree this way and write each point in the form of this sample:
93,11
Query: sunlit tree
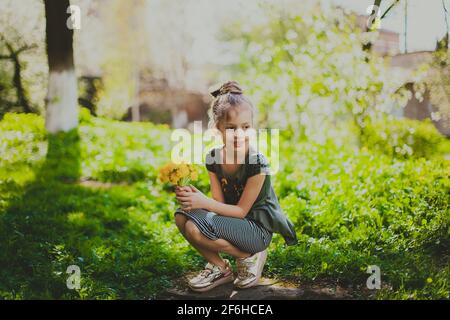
306,68
62,105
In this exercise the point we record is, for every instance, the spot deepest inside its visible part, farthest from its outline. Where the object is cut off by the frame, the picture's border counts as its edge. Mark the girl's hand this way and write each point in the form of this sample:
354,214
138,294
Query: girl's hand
191,198
183,188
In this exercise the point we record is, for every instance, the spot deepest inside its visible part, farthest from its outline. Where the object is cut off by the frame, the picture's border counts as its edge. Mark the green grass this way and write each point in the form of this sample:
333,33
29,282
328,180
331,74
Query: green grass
351,208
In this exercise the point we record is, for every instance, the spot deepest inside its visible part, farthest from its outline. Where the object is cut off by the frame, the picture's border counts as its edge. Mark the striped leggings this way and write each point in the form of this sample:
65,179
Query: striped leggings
246,234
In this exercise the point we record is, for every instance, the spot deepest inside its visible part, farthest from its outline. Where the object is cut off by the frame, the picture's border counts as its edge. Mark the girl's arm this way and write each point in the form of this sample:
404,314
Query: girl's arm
216,189
248,198
195,200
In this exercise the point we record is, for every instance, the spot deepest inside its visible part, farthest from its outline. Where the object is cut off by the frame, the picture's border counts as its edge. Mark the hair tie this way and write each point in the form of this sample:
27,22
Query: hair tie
227,87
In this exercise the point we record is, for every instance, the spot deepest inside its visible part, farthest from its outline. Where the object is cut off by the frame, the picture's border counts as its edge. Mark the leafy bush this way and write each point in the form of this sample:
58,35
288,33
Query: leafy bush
403,138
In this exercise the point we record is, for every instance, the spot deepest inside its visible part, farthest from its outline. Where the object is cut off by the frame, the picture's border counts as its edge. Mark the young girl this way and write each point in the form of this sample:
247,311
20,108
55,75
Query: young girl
243,212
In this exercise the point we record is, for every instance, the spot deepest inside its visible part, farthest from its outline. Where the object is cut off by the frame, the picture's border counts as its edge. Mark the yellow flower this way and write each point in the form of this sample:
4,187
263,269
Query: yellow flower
177,174
184,170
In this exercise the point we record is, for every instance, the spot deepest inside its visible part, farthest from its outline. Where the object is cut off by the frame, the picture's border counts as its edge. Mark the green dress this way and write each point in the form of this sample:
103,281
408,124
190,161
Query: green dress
266,209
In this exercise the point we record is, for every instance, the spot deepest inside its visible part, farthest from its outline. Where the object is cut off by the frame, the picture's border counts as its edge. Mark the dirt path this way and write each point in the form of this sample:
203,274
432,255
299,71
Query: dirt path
268,289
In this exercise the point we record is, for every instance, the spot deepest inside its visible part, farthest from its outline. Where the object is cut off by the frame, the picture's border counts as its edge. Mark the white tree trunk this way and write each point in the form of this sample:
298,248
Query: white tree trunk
62,101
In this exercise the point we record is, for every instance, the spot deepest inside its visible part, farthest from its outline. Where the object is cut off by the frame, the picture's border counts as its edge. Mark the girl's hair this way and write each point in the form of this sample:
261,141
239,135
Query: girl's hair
227,96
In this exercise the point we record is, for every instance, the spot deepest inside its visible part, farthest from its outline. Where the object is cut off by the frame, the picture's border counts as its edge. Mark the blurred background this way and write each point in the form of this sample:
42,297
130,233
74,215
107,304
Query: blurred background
154,60
90,94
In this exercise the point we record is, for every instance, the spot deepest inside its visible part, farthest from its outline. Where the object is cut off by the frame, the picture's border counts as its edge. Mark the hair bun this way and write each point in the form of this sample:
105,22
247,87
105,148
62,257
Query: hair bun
227,87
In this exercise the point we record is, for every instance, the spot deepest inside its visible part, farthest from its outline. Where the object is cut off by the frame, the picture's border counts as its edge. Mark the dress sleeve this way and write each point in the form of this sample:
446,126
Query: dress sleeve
258,163
210,161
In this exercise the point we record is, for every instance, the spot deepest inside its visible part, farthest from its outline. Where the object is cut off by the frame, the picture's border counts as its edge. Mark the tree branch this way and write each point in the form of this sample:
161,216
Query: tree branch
388,9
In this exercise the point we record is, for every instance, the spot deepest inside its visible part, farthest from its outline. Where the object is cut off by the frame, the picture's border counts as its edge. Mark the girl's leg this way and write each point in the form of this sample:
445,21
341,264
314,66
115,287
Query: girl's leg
220,245
210,255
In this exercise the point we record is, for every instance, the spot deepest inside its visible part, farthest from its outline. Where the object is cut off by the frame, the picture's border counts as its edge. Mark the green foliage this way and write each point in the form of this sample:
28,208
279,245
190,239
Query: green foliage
355,209
403,138
121,237
351,208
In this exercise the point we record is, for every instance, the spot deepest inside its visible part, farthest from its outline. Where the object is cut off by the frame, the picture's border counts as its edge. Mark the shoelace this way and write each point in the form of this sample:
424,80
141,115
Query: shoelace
243,269
205,272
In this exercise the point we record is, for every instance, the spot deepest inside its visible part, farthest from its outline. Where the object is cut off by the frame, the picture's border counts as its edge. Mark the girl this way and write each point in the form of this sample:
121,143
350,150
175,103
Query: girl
243,212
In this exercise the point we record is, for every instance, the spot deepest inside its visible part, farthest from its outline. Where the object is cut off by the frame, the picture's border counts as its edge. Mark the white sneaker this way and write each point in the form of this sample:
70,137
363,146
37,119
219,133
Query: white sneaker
211,277
250,270
201,275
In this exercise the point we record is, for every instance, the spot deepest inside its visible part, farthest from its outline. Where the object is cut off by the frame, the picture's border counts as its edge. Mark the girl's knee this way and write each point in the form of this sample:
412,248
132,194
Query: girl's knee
192,230
180,220
223,245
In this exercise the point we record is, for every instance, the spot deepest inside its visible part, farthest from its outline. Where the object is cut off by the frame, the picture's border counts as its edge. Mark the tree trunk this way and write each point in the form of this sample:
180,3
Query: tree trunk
61,101
22,98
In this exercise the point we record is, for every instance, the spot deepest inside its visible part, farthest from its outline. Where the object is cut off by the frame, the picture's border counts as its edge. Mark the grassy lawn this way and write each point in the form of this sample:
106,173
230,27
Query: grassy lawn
90,198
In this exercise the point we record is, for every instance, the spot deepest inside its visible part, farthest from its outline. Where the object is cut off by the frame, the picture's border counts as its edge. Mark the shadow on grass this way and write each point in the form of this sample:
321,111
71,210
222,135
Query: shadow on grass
56,222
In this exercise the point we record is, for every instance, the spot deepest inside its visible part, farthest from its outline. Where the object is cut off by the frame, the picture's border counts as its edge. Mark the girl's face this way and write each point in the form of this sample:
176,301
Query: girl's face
234,127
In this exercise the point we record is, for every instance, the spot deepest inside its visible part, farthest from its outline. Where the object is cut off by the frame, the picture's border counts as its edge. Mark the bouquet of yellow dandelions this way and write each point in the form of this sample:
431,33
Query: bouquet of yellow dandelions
178,174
